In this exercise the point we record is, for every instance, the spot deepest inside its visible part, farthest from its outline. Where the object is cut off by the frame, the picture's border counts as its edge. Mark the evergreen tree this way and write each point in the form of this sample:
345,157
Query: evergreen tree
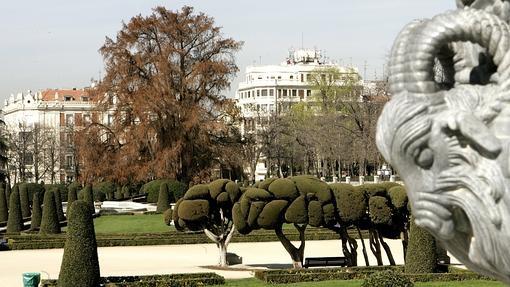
72,195
421,253
15,221
80,261
36,211
25,203
163,198
58,205
4,211
88,196
49,223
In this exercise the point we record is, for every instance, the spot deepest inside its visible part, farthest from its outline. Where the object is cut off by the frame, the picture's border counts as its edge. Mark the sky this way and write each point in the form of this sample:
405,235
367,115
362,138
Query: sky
54,43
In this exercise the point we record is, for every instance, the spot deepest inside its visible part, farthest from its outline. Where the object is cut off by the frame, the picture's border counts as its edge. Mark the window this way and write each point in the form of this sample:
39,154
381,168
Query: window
68,98
284,93
84,99
264,92
86,119
308,77
294,93
249,94
69,139
271,93
110,119
301,94
302,78
258,93
271,107
279,77
69,161
308,93
279,93
291,77
28,159
69,119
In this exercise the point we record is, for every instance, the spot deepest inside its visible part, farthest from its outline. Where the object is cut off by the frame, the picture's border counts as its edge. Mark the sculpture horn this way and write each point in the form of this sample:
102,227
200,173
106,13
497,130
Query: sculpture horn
414,53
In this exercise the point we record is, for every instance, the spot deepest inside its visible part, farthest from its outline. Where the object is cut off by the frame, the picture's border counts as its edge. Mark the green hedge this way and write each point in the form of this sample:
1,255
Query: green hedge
172,280
285,276
176,189
32,241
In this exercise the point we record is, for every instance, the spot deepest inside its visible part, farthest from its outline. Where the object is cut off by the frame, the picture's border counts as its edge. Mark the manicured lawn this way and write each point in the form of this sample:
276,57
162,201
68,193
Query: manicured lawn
252,282
151,223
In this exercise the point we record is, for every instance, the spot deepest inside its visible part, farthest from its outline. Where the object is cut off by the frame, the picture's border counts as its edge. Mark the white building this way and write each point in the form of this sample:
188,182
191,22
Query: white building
273,89
54,114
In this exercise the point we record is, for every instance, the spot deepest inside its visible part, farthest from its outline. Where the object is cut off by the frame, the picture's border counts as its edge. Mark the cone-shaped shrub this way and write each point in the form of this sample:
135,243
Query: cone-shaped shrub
36,211
4,211
421,253
7,192
15,221
25,203
163,198
88,197
72,195
80,261
58,205
49,221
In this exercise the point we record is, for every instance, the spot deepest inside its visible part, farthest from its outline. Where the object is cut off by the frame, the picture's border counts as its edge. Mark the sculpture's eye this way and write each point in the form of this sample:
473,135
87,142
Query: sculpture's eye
425,158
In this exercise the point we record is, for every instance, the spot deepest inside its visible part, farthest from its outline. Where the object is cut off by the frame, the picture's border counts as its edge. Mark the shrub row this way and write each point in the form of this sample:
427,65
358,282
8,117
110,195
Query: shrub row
25,241
357,273
173,280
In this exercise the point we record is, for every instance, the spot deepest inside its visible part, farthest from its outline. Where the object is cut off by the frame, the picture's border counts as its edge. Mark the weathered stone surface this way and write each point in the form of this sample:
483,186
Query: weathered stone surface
447,130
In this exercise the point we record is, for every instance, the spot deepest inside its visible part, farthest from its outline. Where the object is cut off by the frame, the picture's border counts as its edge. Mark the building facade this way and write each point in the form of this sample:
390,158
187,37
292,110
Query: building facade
272,89
41,127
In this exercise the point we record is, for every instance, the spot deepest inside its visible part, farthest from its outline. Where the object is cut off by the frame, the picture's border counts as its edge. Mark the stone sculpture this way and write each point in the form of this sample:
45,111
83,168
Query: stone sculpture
447,129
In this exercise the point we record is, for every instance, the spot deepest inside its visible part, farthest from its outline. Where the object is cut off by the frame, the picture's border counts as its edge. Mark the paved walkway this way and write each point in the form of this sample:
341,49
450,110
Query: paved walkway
167,259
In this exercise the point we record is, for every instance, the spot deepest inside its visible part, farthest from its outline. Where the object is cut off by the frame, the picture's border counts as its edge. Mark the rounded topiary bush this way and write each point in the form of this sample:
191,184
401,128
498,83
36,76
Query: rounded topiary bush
15,221
58,205
387,278
421,254
350,202
4,210
103,189
80,264
380,210
49,222
72,195
35,221
163,198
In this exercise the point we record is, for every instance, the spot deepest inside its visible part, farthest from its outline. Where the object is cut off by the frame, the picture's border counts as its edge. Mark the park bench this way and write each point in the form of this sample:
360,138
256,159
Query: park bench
325,261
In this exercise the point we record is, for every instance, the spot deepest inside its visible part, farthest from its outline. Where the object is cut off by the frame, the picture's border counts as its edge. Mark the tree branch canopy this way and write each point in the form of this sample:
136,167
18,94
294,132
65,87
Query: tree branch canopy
165,75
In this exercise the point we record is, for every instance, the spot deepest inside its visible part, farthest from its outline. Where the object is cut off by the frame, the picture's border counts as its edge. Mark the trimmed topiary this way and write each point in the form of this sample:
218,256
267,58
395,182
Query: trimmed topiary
168,217
193,210
350,202
372,189
72,195
88,197
15,220
35,221
216,187
199,191
283,188
387,278
315,214
380,210
175,188
49,222
4,211
58,205
398,197
25,203
421,254
80,263
163,198
255,210
103,189
271,215
297,211
8,191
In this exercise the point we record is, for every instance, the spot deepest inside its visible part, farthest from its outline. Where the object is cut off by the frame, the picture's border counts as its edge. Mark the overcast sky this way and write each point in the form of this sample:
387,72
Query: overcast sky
54,43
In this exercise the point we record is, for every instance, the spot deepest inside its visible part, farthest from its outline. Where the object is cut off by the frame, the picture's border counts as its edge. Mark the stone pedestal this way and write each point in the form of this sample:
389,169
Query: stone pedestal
361,179
347,179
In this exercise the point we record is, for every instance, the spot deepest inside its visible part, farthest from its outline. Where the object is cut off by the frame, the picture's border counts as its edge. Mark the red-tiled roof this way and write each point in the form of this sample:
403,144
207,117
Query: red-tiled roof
76,95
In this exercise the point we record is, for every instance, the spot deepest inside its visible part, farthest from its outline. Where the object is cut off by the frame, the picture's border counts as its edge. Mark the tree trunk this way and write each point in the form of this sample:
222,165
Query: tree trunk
296,254
375,245
222,242
387,250
365,255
